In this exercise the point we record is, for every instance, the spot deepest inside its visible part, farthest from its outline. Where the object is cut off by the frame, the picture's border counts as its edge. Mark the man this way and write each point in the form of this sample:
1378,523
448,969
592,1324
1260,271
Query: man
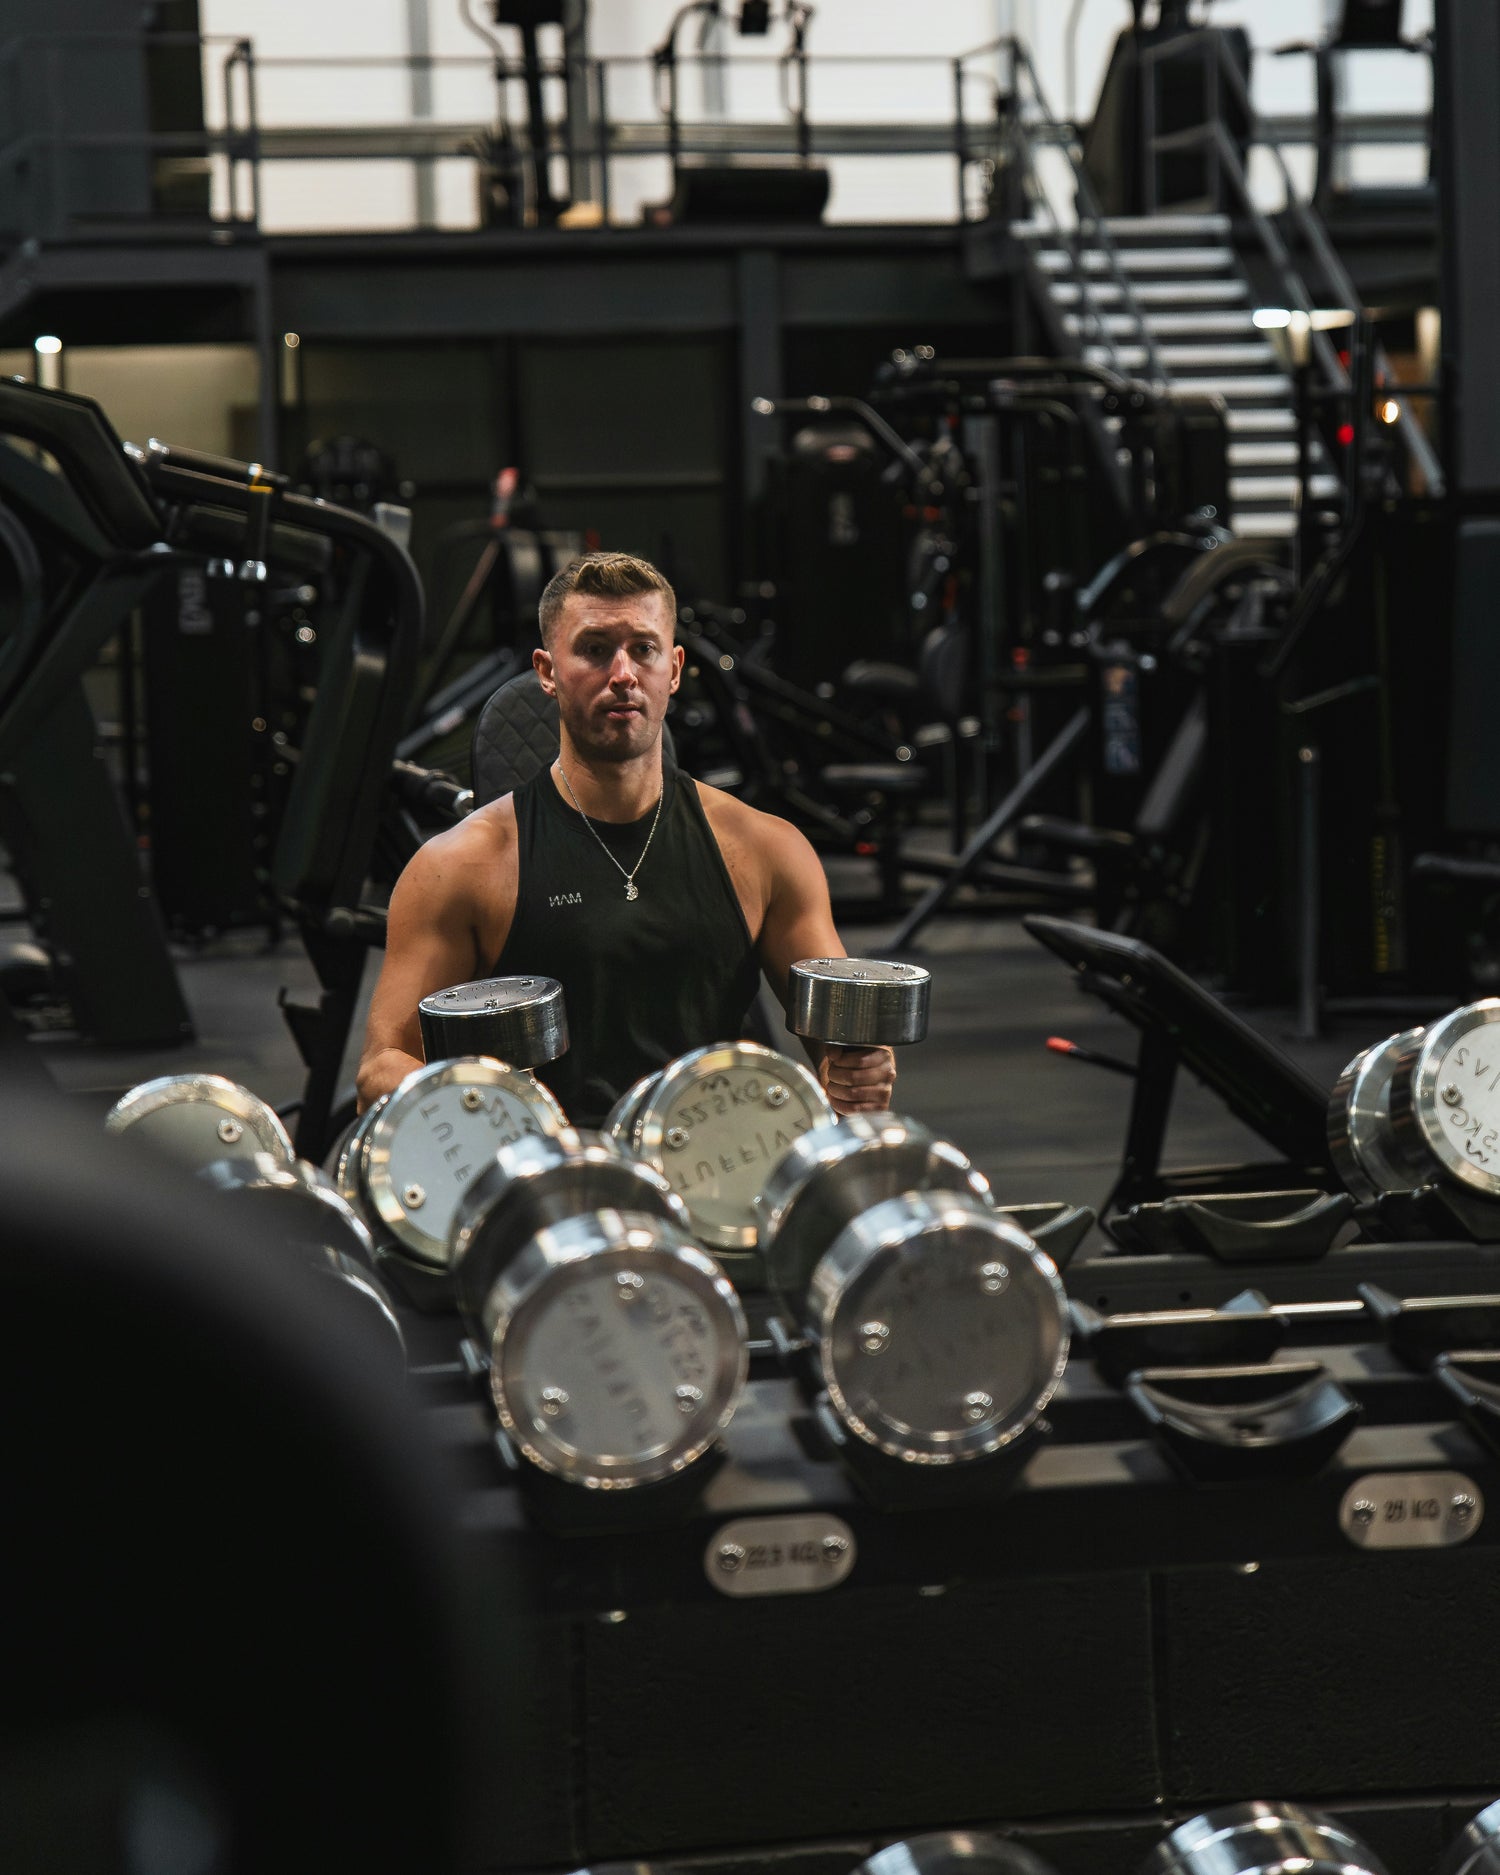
656,901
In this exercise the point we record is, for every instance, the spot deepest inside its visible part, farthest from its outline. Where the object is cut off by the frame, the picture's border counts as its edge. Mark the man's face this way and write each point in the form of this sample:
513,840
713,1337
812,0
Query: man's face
612,667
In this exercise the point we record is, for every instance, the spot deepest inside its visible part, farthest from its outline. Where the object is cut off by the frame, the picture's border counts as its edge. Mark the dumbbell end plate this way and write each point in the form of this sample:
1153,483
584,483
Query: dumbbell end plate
858,1001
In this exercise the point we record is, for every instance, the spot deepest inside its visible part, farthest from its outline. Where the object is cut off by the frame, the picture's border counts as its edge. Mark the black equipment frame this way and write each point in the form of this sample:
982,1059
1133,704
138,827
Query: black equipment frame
126,519
1182,1026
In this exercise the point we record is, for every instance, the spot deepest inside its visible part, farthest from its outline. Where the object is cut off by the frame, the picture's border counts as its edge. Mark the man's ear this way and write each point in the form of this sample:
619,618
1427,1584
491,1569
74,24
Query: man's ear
679,658
541,663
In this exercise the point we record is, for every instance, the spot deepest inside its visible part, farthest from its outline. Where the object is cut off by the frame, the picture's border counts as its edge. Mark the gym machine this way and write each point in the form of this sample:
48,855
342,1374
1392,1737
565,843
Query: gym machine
105,530
741,192
85,546
517,557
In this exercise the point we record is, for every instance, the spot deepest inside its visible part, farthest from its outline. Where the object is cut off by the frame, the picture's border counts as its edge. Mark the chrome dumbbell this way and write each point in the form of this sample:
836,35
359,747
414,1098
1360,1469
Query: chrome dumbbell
1423,1108
297,1210
1360,1140
938,1329
715,1123
1261,1839
198,1118
617,1348
1445,1100
415,1152
954,1852
519,1020
859,1002
1476,1848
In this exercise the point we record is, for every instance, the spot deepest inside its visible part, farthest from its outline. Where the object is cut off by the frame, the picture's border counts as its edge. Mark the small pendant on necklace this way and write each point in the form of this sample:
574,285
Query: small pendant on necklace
631,890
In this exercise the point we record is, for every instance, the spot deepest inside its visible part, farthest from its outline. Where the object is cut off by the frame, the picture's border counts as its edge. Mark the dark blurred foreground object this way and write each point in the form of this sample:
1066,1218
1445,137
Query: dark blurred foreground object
231,1604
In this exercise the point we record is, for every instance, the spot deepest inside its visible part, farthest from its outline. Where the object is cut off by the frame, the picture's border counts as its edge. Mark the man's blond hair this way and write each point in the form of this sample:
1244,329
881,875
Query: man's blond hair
602,576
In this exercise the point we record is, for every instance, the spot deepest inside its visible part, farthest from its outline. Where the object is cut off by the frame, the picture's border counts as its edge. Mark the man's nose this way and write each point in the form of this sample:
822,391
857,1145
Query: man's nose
622,670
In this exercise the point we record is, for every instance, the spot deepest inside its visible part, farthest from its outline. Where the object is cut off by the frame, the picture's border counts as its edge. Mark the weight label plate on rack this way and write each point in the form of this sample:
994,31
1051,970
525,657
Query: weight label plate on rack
779,1555
1411,1510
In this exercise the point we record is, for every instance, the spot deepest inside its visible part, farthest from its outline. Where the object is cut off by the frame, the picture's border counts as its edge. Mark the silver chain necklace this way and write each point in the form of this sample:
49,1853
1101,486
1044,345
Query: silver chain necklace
632,890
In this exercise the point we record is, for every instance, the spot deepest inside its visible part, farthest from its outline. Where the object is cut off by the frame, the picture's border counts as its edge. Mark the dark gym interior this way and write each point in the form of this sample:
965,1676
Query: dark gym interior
1072,439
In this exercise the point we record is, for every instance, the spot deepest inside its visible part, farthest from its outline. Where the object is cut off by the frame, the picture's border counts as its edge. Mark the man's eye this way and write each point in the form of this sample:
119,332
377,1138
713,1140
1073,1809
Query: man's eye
645,650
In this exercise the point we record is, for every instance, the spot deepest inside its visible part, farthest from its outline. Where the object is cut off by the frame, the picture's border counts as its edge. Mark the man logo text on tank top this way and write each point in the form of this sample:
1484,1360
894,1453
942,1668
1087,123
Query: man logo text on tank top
554,899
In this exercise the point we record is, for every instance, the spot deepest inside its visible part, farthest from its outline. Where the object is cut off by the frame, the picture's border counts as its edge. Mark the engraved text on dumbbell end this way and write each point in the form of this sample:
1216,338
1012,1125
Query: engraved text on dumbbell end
1468,1086
467,1147
600,1354
862,970
762,1149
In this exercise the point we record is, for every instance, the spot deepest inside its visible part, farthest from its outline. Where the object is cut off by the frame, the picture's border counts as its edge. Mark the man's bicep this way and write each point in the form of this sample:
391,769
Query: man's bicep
799,918
430,943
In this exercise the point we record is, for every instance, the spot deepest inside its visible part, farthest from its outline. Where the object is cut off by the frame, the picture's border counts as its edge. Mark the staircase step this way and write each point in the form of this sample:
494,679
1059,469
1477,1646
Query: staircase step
1277,523
1232,322
1262,455
1133,260
1166,326
1156,227
1236,390
1117,325
1149,293
1228,357
1122,357
1277,421
1185,361
1279,488
1131,228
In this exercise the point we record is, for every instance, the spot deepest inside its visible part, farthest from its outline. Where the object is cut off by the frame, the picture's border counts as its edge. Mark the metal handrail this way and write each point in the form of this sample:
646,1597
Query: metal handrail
1090,212
1309,224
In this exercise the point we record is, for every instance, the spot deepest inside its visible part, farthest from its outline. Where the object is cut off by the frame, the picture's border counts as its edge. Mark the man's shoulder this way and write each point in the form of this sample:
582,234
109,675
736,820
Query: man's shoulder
480,841
773,841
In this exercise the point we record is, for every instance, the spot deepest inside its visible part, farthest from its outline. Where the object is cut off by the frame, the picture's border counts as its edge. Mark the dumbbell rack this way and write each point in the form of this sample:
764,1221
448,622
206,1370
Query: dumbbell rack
1101,1647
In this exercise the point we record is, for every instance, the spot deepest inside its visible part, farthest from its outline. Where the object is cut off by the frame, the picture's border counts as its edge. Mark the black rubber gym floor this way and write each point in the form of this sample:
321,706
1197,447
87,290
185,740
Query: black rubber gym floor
1039,1125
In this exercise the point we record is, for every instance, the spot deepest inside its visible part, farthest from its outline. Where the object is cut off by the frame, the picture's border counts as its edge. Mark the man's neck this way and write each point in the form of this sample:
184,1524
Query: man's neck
618,791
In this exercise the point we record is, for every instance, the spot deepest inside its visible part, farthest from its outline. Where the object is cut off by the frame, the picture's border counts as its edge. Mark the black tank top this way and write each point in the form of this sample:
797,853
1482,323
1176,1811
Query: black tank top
645,979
